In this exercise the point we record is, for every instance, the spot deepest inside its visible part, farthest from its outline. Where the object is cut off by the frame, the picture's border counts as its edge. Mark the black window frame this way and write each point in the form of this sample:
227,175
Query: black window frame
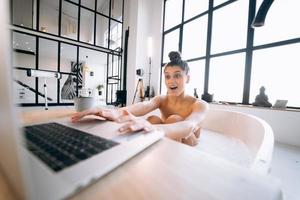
35,32
250,47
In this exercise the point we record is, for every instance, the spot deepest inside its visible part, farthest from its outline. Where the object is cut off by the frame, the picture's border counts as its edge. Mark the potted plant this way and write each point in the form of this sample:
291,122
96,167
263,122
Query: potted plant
99,88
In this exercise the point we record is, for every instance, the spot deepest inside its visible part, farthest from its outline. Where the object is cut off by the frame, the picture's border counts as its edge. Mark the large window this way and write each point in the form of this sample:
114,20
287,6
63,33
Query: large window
171,44
194,7
63,36
69,20
196,82
229,32
173,12
282,22
194,42
279,72
226,76
87,26
217,40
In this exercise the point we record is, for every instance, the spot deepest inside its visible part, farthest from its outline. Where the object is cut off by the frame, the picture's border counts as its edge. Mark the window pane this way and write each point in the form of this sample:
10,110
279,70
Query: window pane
97,63
229,32
194,7
171,43
48,54
112,89
102,31
197,73
116,9
24,50
282,22
51,84
87,26
226,77
115,35
68,58
114,72
69,20
114,66
173,13
23,13
75,1
194,38
279,72
49,16
103,7
88,3
24,87
218,2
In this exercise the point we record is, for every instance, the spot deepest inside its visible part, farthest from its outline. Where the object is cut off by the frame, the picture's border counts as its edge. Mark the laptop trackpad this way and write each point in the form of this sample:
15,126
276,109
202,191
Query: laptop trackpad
127,137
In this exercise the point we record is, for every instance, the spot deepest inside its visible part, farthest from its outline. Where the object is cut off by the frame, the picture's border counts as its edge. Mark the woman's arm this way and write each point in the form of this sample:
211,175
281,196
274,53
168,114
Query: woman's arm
184,129
176,131
138,109
142,108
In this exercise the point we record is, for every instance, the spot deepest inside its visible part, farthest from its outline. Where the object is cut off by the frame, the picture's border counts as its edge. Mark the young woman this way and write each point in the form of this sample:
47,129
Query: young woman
181,114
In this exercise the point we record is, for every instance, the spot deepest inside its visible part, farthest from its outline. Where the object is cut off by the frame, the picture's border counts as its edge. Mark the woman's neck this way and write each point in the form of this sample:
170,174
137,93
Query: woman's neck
175,99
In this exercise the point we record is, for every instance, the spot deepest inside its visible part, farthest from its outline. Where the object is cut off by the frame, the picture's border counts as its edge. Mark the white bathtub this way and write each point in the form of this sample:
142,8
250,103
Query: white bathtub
237,137
241,138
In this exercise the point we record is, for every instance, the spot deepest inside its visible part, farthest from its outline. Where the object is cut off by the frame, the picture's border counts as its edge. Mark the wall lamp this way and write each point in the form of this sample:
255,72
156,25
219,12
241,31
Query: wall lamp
44,74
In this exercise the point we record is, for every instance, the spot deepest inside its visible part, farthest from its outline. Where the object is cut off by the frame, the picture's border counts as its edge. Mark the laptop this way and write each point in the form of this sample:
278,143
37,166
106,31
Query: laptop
280,104
39,165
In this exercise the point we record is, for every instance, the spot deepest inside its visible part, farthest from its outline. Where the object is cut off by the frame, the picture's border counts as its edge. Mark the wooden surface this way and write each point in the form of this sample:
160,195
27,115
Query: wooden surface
170,170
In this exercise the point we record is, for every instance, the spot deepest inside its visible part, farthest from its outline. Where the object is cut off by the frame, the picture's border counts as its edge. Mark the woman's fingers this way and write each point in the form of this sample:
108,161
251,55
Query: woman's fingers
107,114
130,127
136,125
79,115
124,118
110,114
190,140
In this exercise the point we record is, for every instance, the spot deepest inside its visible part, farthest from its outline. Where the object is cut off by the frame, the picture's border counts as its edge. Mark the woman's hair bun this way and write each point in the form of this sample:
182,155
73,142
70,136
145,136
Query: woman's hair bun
174,56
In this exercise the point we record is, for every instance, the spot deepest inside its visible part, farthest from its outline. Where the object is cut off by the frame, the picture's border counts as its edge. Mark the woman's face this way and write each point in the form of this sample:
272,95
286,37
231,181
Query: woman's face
175,79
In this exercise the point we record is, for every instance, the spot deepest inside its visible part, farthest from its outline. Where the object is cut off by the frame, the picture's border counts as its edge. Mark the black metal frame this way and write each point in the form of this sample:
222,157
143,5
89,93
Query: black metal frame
250,48
34,31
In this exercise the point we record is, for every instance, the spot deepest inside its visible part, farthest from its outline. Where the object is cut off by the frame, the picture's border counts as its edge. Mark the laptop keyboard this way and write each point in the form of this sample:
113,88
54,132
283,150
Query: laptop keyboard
59,146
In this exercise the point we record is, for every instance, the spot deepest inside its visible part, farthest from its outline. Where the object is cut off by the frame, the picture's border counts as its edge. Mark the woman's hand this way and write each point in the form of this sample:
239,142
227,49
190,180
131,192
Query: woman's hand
110,114
132,123
190,140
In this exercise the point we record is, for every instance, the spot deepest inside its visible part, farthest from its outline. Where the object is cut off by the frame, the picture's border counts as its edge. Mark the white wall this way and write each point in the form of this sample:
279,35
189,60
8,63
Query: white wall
144,19
130,20
285,124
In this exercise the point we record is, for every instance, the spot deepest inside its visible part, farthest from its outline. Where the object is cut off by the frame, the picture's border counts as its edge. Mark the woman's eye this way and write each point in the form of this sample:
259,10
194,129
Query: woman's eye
167,77
177,76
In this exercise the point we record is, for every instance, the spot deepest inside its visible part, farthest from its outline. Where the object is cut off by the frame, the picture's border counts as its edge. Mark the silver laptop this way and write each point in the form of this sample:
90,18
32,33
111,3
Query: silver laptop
280,104
39,167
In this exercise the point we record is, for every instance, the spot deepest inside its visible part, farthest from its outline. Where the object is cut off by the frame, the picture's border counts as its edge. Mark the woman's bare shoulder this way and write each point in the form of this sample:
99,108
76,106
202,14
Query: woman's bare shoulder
200,104
160,99
191,99
197,102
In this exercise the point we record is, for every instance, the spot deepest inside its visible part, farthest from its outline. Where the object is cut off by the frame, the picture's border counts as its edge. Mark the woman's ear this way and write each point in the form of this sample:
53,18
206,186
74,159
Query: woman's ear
187,78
